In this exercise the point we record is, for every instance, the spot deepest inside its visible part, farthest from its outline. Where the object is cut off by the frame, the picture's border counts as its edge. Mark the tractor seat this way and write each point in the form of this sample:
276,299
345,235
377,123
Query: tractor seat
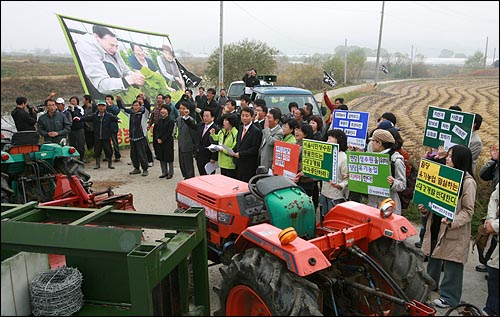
25,138
24,142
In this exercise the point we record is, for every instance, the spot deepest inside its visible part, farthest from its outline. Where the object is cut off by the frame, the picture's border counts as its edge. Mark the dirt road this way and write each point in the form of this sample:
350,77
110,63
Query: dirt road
158,194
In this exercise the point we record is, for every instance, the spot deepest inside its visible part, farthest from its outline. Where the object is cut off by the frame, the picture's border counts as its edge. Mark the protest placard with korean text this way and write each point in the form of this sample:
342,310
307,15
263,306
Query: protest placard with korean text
447,127
368,173
437,188
354,124
320,160
286,159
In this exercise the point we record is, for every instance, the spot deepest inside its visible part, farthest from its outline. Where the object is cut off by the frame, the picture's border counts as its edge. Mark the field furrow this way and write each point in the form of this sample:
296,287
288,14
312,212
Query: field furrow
409,102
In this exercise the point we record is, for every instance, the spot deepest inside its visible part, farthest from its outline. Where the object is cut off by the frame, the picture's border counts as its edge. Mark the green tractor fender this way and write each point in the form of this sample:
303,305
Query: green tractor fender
59,151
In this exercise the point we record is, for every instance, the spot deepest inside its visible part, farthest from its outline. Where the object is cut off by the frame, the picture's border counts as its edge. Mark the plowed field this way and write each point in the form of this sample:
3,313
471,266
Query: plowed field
409,102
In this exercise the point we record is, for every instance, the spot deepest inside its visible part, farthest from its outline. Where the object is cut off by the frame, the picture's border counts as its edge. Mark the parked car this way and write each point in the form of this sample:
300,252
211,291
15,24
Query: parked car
237,88
281,96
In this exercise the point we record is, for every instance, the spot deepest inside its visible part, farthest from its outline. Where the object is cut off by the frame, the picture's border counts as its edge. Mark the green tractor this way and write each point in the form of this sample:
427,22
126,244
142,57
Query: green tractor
29,168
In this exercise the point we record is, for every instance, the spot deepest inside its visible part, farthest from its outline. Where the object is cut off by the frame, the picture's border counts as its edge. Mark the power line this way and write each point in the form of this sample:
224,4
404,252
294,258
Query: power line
275,30
451,11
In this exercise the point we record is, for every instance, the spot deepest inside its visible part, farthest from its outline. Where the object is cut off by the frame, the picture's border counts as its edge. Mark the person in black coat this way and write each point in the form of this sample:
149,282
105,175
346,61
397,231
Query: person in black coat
24,120
247,146
251,81
163,142
204,155
211,104
188,98
102,121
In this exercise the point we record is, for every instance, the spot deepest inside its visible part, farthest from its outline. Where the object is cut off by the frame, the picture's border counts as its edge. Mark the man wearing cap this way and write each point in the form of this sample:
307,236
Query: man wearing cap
383,142
169,68
62,109
388,116
386,121
102,122
53,125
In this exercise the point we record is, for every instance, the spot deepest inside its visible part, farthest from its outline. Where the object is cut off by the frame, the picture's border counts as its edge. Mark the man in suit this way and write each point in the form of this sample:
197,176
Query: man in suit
260,112
204,155
211,104
247,146
186,140
199,102
272,132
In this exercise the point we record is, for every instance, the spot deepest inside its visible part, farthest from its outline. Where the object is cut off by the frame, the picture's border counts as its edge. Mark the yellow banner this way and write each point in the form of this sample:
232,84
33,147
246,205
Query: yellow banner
429,172
436,193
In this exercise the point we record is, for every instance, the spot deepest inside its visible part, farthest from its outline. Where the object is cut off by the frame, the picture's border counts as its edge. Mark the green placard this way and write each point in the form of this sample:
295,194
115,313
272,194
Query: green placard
447,127
437,188
320,160
368,173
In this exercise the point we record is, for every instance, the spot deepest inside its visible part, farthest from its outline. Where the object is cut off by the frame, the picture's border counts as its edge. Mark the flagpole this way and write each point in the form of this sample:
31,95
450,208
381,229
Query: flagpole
345,63
221,49
411,63
379,42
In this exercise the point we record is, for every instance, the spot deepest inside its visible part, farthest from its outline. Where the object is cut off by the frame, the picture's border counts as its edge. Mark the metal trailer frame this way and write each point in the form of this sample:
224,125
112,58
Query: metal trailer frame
122,273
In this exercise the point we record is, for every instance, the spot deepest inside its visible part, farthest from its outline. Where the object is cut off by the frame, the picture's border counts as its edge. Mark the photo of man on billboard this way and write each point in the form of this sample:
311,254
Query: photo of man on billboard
103,64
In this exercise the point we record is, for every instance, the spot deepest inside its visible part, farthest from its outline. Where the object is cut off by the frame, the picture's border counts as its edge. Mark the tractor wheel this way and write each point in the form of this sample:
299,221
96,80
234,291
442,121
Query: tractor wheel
71,166
258,283
405,265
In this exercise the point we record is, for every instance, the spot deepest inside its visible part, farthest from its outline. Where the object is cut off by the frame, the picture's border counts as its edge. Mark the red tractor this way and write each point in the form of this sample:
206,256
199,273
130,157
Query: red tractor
355,261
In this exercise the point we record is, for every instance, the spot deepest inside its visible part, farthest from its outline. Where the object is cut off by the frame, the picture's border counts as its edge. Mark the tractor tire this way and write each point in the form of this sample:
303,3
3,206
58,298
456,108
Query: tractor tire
405,265
71,166
258,283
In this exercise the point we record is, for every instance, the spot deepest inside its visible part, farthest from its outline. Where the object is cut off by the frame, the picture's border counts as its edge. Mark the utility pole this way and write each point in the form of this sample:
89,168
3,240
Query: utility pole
411,62
379,42
345,63
494,55
221,48
485,52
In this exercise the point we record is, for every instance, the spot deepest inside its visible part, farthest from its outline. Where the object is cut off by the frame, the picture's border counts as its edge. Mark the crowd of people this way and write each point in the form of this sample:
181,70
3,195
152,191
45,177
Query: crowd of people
212,130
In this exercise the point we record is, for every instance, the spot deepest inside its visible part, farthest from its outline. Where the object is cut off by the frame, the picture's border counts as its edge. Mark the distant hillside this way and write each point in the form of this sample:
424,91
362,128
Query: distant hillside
36,76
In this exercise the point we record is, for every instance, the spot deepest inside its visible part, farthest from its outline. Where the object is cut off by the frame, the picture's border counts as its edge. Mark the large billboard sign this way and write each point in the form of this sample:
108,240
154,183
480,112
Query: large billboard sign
113,60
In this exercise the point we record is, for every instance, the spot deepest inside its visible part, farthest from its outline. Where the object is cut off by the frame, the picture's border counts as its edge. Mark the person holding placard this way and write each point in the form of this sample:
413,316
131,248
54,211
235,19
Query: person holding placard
447,243
333,193
491,227
289,127
304,131
383,142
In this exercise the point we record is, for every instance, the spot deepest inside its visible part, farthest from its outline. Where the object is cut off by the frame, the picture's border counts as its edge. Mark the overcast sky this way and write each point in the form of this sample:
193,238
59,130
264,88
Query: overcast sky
293,27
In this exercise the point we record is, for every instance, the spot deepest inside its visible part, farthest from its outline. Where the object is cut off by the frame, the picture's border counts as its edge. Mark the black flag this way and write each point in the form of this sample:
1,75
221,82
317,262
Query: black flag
190,79
385,69
327,79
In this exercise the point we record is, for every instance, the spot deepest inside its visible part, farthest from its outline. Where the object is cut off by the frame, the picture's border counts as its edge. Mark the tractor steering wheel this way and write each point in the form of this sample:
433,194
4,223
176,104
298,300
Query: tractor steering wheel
252,185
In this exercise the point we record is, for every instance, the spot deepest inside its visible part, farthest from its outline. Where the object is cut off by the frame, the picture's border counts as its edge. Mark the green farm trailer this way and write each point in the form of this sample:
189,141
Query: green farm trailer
123,273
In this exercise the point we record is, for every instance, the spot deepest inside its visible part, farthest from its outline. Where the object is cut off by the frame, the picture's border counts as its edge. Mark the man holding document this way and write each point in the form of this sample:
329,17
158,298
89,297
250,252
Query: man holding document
203,154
